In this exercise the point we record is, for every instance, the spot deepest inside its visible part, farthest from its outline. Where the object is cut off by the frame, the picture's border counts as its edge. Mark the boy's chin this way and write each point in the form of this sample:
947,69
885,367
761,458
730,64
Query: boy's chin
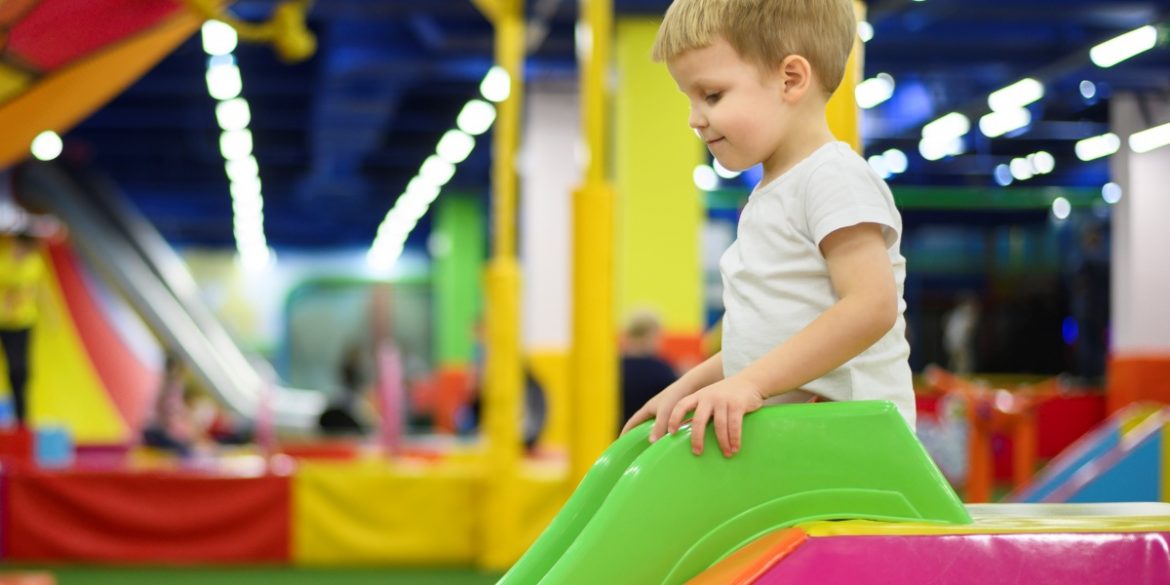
735,167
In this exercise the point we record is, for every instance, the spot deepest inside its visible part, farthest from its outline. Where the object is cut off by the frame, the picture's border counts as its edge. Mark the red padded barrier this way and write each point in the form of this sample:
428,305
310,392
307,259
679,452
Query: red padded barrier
156,518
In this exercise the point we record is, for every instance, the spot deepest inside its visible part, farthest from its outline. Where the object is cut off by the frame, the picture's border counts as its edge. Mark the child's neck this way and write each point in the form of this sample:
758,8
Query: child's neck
808,133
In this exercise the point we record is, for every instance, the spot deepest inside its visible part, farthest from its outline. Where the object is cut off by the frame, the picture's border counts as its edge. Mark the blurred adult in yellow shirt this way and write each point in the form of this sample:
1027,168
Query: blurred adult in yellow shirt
22,282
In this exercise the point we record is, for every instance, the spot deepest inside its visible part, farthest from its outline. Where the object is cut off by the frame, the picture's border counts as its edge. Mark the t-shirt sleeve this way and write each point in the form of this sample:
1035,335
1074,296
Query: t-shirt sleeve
840,196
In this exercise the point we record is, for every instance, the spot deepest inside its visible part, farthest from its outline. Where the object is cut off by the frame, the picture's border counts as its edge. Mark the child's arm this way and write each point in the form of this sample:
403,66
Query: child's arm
867,307
660,407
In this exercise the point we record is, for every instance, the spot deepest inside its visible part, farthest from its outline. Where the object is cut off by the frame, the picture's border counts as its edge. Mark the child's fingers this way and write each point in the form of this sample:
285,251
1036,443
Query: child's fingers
721,429
699,427
660,420
638,418
680,410
735,429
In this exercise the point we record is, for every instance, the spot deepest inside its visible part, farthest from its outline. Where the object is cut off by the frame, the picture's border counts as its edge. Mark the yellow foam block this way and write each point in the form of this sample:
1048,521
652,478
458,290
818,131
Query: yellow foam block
540,490
375,513
1017,518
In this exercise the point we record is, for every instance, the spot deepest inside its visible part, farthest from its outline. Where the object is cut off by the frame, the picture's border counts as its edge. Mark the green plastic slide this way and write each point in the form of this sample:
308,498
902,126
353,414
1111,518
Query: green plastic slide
647,514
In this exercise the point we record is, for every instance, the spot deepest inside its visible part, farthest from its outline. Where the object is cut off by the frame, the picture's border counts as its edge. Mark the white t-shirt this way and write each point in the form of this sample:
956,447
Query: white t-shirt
776,281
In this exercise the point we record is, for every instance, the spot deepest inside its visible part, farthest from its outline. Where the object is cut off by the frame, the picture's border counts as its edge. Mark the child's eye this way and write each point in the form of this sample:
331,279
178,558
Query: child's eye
713,97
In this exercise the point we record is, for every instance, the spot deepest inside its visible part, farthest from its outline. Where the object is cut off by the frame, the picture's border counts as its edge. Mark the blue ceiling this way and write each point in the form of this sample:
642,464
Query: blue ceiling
338,136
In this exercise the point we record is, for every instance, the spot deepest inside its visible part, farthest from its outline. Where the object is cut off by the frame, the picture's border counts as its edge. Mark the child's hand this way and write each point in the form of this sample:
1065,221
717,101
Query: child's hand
726,402
659,408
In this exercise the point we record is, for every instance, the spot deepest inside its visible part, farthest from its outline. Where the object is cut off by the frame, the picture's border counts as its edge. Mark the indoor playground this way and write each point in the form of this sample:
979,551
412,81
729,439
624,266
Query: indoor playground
352,291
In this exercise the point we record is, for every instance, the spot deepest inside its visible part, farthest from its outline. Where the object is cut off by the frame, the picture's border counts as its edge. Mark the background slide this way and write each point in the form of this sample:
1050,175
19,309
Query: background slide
1119,461
126,251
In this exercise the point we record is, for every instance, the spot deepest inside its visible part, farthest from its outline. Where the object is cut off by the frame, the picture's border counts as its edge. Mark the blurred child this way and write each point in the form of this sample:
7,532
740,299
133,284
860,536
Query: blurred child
813,282
643,372
170,423
22,288
959,327
341,417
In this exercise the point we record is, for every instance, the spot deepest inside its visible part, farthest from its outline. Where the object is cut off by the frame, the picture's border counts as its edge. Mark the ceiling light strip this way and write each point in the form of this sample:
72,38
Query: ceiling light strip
232,112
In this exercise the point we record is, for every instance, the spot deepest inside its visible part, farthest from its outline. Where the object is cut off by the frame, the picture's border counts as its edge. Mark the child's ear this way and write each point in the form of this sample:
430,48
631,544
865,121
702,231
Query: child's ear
797,74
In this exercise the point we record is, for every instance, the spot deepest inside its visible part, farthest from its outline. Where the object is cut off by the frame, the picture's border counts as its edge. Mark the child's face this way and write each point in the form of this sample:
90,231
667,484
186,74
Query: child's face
737,109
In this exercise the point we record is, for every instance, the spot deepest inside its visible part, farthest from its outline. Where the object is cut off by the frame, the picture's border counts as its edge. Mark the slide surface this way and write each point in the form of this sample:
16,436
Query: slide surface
1119,461
658,514
129,254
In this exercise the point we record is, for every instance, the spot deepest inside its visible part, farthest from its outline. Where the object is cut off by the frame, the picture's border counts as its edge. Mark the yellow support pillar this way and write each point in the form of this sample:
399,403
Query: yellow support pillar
594,359
500,527
842,111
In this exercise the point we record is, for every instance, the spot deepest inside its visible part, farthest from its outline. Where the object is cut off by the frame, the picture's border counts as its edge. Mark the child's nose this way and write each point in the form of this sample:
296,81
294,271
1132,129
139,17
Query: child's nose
697,120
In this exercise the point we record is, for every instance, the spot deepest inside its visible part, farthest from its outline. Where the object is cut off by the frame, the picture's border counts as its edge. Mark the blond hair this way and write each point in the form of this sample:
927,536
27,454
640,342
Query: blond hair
642,325
765,32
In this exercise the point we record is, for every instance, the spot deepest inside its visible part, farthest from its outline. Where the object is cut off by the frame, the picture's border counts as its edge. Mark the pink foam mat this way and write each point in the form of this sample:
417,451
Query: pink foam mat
979,559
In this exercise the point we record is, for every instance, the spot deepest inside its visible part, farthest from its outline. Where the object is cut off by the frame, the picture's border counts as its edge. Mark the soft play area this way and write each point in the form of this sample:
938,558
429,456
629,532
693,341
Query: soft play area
351,292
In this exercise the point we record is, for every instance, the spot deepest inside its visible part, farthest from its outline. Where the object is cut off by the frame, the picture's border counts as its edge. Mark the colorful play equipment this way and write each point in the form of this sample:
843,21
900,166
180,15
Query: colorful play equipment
831,493
655,513
129,254
102,393
658,514
60,60
1122,460
642,514
1098,544
1011,415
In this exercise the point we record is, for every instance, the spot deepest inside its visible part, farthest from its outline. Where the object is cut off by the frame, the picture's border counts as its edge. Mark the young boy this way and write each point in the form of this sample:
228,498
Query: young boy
813,282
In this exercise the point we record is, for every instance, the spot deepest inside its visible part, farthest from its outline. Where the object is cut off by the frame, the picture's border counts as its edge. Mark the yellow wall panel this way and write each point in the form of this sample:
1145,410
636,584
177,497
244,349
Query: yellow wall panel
660,210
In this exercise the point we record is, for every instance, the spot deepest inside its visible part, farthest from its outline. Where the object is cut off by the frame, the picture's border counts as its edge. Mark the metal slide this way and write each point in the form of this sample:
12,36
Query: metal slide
129,253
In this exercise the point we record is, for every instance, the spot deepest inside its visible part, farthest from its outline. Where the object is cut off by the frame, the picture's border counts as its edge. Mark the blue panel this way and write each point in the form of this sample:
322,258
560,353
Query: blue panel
1065,465
1136,478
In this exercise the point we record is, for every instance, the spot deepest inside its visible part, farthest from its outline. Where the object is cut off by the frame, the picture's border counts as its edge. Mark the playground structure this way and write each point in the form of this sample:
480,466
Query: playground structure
128,252
865,506
1121,460
413,510
1003,431
432,487
657,514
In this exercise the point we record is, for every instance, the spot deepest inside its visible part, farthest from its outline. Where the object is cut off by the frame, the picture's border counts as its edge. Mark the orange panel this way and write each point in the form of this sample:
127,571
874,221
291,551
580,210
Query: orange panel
682,349
454,385
1138,378
747,564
